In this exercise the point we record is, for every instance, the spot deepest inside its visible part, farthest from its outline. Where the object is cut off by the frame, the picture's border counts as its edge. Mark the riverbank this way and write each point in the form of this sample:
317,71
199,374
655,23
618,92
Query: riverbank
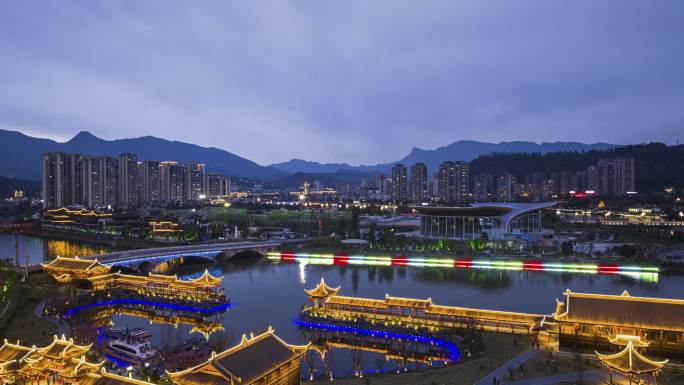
21,323
110,241
500,348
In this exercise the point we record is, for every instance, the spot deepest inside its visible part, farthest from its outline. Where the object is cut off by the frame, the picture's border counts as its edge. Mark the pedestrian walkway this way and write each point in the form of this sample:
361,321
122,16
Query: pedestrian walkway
596,376
502,370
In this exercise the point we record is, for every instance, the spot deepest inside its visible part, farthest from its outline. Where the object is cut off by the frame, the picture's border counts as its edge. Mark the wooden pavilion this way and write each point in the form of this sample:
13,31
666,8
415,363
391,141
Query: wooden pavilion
105,378
263,359
61,356
631,363
11,356
590,320
321,292
65,270
205,287
414,313
62,362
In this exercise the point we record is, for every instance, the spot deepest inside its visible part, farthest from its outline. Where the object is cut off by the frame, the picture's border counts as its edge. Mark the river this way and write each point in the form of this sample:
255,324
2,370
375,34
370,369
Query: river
268,293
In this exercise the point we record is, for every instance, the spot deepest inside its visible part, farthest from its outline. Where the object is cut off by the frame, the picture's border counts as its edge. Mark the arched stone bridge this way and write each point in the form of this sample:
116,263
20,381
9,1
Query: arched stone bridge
134,259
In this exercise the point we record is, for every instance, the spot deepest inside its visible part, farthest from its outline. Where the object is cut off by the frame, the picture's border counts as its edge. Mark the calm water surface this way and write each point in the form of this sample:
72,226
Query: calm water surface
41,250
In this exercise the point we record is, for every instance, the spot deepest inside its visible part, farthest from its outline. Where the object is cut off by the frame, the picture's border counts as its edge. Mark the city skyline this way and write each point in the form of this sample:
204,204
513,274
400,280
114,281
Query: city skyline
359,90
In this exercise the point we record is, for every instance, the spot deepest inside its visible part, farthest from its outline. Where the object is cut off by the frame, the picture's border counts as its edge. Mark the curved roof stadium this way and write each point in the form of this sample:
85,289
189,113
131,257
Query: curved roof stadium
508,211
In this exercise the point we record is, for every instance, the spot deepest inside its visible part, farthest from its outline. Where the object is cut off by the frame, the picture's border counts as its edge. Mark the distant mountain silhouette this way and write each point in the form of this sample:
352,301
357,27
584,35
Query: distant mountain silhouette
328,179
465,150
21,154
305,166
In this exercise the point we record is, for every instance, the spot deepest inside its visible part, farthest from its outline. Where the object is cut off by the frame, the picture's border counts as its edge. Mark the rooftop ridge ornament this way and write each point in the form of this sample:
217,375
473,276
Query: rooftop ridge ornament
630,361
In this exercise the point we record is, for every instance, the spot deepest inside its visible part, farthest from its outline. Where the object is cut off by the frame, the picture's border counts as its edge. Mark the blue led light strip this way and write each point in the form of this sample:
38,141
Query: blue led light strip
452,350
163,305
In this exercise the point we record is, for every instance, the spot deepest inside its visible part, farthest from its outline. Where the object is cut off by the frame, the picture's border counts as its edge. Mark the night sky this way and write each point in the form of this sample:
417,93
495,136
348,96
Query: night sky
344,81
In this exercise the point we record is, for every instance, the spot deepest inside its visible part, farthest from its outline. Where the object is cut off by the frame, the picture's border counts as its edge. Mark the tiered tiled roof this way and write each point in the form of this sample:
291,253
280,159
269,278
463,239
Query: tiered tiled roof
622,310
322,290
630,361
245,363
170,281
74,263
207,279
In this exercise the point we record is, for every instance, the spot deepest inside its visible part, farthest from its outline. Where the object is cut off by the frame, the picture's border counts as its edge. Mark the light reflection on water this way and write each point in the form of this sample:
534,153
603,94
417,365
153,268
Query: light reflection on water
41,250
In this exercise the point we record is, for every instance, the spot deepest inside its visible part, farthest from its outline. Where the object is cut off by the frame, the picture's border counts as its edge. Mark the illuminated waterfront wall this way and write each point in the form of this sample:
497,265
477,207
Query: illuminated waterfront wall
644,273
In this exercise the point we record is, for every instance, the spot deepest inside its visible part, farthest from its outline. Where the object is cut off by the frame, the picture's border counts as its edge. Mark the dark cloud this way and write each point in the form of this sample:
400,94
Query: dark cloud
352,81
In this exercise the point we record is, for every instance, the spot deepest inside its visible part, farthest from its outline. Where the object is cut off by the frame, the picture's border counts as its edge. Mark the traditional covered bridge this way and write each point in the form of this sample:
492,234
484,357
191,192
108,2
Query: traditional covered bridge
203,288
590,321
415,312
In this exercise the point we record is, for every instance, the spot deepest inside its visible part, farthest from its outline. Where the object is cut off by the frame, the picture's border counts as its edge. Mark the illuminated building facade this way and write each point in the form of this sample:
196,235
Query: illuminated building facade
217,185
172,182
505,187
453,181
483,187
195,182
128,180
495,220
419,183
68,269
262,359
203,288
399,189
61,362
412,313
61,180
150,181
591,320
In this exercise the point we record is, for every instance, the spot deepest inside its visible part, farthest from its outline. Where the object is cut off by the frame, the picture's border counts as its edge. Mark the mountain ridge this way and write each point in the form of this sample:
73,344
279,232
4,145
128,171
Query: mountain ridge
22,154
465,150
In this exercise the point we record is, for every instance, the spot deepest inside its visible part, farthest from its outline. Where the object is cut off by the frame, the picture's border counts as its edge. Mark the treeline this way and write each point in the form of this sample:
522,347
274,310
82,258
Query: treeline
657,165
9,185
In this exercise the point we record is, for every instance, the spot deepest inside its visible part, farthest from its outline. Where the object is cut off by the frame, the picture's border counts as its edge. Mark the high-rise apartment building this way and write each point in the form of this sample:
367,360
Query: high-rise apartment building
420,191
149,173
109,172
505,187
195,182
61,180
483,187
453,184
623,174
92,181
399,187
217,185
128,180
172,182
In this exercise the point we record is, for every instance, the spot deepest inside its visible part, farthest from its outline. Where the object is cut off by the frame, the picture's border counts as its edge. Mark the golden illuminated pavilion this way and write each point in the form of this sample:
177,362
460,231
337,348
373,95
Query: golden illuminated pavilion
263,359
11,356
65,216
414,313
321,292
585,320
54,358
105,378
65,270
630,362
624,340
63,361
76,370
166,286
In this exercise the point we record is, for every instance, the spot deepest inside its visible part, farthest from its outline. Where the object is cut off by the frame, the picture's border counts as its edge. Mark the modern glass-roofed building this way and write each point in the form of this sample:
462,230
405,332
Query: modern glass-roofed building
494,219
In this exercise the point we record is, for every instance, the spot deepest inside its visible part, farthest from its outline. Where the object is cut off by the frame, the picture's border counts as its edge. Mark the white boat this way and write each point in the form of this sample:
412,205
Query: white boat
132,350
